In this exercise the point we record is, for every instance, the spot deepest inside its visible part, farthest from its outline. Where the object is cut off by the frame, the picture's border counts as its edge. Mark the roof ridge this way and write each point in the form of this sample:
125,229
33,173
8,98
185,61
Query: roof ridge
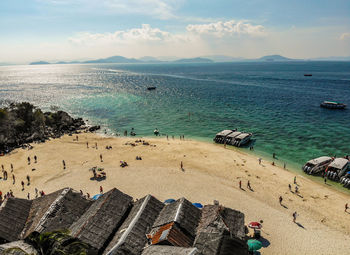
131,225
51,209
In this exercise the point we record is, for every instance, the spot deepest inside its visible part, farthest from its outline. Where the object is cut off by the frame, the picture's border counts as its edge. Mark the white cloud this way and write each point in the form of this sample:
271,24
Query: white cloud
145,34
344,36
162,9
227,28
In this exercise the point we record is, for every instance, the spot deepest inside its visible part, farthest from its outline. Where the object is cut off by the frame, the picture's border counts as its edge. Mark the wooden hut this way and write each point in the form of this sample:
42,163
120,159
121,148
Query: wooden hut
131,236
13,216
176,224
55,211
221,231
169,250
17,248
102,219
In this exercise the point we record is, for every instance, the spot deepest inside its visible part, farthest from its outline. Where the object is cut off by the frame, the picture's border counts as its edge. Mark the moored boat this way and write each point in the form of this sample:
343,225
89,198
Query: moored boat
332,105
221,136
308,74
337,168
151,88
317,165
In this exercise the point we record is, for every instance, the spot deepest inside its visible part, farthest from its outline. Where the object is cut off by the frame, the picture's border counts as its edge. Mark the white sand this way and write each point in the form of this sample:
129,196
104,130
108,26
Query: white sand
211,172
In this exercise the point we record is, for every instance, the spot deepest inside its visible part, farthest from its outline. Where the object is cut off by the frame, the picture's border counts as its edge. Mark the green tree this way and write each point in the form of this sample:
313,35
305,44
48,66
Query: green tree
57,243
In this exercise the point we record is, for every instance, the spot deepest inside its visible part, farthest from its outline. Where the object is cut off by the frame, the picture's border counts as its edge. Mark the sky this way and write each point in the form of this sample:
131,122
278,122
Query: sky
52,30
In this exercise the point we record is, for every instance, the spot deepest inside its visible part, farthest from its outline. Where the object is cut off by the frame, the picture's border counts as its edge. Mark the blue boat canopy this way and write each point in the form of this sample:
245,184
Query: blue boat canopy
169,201
96,196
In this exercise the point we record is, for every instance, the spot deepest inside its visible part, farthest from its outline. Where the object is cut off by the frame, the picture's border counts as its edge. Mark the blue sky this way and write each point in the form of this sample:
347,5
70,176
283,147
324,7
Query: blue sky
84,29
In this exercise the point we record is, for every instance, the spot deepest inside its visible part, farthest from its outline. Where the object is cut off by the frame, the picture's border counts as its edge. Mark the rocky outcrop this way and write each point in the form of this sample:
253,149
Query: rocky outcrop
23,123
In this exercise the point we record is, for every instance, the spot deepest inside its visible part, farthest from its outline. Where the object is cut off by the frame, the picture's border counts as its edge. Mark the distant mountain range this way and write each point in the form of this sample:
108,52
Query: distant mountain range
206,59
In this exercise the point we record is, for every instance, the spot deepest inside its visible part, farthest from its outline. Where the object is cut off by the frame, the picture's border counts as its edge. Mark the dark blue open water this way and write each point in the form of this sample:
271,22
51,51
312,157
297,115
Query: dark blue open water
273,100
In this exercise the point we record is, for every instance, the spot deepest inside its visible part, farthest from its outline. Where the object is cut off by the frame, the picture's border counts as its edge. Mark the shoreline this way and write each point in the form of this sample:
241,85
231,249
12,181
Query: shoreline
292,167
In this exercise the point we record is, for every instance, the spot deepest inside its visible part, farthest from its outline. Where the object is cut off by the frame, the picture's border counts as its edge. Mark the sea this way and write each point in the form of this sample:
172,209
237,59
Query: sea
272,100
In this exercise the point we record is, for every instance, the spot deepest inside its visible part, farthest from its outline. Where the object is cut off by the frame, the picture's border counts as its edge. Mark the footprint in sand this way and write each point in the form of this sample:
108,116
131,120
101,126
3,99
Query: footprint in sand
242,164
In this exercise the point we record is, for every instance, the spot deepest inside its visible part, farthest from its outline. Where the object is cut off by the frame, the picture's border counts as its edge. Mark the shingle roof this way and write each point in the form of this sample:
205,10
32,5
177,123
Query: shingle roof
131,236
56,211
169,250
183,213
220,244
99,223
18,248
13,215
216,218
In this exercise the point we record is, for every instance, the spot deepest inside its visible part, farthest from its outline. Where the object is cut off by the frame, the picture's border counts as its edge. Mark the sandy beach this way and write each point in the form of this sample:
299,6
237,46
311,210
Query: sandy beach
210,172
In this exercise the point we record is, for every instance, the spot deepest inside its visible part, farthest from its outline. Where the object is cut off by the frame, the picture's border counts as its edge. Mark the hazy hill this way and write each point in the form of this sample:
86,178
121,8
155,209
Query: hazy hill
194,60
114,59
40,63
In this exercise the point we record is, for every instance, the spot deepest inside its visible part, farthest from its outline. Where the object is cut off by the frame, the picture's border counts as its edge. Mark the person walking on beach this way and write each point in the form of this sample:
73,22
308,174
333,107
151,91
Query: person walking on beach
325,180
248,185
295,180
259,161
294,216
35,159
64,164
101,158
22,183
101,190
280,199
346,207
28,196
182,166
77,138
36,192
284,165
5,175
87,145
296,189
28,160
290,187
28,180
240,184
2,168
225,144
96,146
11,168
14,179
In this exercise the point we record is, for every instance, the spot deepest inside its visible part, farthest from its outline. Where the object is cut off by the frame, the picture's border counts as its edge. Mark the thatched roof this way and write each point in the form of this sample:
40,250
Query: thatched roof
220,244
13,215
99,223
55,211
17,248
131,236
183,213
169,250
216,218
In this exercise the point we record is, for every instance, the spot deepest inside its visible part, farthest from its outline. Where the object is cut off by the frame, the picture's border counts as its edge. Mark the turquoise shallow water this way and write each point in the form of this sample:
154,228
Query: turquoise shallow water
273,100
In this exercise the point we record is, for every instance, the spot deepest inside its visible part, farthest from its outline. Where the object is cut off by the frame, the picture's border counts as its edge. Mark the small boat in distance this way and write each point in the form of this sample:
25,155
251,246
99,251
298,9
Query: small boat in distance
308,74
332,105
151,88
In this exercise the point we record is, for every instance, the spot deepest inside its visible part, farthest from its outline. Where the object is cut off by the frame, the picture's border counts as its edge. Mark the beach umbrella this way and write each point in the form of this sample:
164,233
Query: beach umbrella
255,225
198,205
96,196
169,201
254,245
